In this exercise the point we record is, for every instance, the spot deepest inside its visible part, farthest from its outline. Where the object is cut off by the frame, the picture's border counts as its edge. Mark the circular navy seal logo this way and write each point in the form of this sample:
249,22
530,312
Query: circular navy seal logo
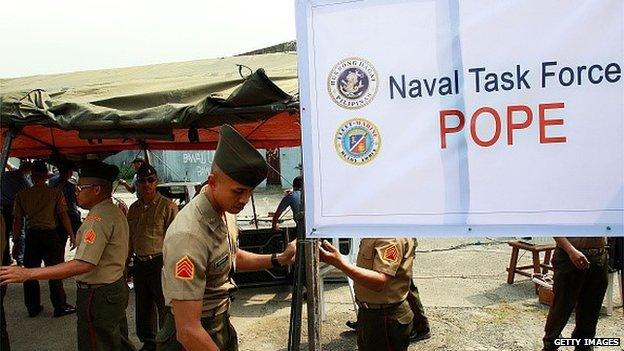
357,141
352,83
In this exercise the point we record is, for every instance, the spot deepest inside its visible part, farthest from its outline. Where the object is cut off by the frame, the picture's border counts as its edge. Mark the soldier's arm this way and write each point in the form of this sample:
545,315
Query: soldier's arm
189,330
172,211
126,185
65,221
286,201
248,261
17,227
578,259
16,274
373,280
17,219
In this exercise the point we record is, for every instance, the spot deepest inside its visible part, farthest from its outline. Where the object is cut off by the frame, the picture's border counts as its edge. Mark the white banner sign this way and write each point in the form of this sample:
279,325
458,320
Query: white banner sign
480,117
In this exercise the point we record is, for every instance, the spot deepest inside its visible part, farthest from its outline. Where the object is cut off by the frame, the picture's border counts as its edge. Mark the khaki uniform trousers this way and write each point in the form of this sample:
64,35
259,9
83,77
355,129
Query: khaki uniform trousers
219,327
384,328
102,323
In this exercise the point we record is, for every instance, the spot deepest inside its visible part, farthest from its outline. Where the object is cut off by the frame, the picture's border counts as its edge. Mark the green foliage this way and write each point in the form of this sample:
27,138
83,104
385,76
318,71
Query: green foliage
126,172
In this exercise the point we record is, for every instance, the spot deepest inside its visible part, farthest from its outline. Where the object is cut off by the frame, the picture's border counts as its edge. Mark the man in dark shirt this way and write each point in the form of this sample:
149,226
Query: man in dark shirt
136,164
63,182
580,283
13,182
292,199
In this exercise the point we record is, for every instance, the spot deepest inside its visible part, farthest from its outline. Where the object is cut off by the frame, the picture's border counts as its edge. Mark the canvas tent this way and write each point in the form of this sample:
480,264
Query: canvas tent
165,106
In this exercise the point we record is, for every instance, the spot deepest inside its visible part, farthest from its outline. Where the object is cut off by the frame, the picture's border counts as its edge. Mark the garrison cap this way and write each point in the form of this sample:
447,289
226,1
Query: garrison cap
145,171
138,159
237,158
99,169
39,167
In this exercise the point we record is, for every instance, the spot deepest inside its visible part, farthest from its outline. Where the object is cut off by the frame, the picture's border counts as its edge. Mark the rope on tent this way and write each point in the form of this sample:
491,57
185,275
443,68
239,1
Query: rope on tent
240,71
256,128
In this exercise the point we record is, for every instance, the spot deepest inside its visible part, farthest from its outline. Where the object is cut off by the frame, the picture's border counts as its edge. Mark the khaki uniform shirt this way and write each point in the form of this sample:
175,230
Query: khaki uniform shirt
200,257
393,257
148,224
41,206
103,240
588,242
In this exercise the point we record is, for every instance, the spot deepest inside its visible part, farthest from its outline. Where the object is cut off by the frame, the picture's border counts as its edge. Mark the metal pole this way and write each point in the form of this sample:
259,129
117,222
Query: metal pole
146,154
294,334
314,293
8,140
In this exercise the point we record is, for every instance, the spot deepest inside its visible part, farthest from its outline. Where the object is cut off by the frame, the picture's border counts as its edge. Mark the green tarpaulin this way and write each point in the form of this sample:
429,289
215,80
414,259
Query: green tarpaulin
154,106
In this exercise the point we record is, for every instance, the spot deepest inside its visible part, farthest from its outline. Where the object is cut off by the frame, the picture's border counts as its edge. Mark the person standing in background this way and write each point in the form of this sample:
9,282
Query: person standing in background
63,182
579,284
11,183
136,164
42,207
148,220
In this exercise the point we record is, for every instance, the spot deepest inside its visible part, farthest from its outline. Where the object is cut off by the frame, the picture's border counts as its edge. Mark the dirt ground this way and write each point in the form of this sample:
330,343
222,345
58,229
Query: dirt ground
462,282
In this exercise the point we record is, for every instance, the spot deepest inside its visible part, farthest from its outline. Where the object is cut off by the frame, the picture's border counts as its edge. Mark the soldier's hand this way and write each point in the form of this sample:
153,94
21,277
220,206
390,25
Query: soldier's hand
13,274
123,182
72,242
15,251
328,253
287,257
579,260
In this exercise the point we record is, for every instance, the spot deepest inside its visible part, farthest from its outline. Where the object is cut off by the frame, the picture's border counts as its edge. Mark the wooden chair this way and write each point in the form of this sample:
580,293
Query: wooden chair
538,266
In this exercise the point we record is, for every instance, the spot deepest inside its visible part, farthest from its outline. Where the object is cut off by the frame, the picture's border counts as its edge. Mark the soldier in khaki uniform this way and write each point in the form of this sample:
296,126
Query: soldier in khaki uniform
98,266
148,218
382,280
43,207
580,283
201,253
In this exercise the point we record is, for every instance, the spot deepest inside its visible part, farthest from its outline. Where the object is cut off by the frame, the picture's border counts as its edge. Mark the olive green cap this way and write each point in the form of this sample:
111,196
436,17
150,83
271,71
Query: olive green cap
98,169
237,158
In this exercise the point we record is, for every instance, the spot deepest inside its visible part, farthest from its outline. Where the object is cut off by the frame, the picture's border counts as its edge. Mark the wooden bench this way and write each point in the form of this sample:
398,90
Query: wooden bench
538,265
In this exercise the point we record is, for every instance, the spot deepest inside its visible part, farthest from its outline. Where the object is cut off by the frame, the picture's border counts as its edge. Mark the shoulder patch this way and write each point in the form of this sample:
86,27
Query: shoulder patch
185,268
391,254
90,236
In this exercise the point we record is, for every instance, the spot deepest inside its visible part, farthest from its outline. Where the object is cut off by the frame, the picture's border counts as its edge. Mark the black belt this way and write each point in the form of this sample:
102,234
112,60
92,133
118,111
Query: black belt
144,258
82,285
594,251
376,306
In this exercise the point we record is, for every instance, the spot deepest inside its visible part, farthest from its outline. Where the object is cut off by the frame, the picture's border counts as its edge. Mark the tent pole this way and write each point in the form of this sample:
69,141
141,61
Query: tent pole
253,205
8,140
294,332
313,288
309,246
146,153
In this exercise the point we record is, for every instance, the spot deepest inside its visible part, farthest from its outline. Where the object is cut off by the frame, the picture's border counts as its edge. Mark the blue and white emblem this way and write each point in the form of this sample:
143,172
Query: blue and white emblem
357,141
352,83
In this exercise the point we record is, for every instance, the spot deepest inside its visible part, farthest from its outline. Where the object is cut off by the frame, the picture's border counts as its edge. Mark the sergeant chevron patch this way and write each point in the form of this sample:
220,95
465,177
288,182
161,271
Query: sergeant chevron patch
391,254
185,268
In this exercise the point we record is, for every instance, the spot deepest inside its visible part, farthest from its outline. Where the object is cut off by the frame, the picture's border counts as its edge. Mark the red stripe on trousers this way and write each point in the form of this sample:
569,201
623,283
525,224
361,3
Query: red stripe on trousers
92,334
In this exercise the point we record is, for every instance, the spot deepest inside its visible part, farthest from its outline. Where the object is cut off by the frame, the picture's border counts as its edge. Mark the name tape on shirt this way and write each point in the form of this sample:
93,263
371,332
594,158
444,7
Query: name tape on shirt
185,268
